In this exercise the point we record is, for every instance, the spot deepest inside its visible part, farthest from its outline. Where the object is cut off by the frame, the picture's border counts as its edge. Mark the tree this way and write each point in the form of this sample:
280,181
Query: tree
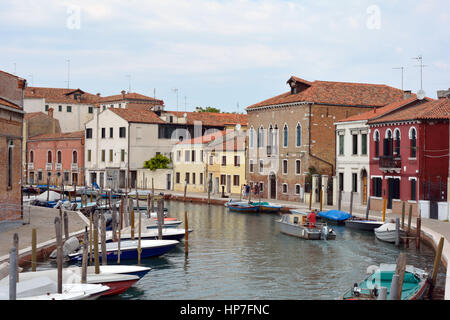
208,109
157,162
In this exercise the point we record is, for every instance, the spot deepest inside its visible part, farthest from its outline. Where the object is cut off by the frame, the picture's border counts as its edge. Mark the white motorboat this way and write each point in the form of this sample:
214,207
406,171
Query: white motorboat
296,225
387,232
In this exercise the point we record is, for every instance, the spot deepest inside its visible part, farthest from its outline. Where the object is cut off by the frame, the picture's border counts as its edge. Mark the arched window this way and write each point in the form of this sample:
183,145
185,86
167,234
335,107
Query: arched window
74,157
285,136
376,138
270,136
298,135
31,156
387,143
252,137
49,157
59,157
275,138
413,141
397,142
261,137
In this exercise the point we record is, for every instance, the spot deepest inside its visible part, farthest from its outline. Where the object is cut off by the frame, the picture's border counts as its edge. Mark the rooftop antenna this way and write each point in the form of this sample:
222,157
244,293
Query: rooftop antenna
14,68
31,76
68,73
129,82
154,93
421,92
176,91
185,103
401,68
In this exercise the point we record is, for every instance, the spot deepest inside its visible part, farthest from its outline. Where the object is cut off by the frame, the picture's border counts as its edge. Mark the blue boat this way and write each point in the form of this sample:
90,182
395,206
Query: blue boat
241,207
334,216
128,249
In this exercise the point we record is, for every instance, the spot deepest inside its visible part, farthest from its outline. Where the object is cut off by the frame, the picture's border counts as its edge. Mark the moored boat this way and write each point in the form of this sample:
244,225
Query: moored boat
387,232
415,283
241,207
296,225
362,224
265,206
334,216
167,234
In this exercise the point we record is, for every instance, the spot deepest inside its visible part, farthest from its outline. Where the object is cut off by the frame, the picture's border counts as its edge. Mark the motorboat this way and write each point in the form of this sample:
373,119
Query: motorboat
362,224
297,225
387,232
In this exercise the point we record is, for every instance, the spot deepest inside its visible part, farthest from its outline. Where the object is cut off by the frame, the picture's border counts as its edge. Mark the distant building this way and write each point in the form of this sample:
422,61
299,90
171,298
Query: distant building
409,157
11,122
57,158
292,136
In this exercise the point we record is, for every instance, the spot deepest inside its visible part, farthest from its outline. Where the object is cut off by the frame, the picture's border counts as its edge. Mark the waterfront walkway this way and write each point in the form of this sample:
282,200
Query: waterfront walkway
43,220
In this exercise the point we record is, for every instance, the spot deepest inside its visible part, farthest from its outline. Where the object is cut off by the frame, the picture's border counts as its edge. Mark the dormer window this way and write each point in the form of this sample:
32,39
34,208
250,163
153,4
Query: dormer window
293,87
77,96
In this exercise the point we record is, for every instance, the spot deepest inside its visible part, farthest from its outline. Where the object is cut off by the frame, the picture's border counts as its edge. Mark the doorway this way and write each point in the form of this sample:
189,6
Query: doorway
364,186
273,186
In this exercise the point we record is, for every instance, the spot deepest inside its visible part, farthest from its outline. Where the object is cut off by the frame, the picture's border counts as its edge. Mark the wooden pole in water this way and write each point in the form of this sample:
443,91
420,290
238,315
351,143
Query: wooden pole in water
48,188
397,232
368,209
160,215
132,224
103,240
310,198
339,201
409,225
33,249
394,287
66,225
209,190
91,235
384,209
321,199
186,233
400,272
351,202
437,261
403,214
114,222
185,189
418,229
59,252
16,245
96,257
84,262
139,237
12,273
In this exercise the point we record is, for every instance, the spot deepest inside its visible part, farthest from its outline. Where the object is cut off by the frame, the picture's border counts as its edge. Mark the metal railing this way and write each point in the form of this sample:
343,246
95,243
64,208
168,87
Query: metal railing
390,162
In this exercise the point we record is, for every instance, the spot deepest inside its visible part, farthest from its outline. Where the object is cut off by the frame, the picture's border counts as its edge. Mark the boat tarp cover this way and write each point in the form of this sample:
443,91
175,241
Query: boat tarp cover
335,215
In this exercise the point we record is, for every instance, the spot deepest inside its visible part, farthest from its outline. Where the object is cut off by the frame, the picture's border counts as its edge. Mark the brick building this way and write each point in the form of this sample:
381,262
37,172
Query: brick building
58,157
11,121
292,135
409,156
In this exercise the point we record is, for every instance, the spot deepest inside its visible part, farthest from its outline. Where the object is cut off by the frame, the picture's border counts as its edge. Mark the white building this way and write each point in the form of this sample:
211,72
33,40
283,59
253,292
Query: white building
72,107
352,152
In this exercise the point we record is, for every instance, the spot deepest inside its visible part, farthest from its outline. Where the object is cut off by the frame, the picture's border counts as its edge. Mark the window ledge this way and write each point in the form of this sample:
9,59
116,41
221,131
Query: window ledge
412,159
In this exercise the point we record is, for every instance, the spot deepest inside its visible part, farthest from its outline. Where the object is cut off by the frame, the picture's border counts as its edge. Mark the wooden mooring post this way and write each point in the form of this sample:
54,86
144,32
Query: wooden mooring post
139,236
160,215
66,225
339,200
397,232
368,209
186,233
397,280
12,273
185,189
418,231
321,199
351,203
403,215
33,249
384,210
84,261
96,256
437,261
59,252
16,245
103,240
91,235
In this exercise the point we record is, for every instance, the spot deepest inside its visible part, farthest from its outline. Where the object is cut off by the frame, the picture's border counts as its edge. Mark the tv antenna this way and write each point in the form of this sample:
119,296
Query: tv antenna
401,68
421,92
68,73
129,82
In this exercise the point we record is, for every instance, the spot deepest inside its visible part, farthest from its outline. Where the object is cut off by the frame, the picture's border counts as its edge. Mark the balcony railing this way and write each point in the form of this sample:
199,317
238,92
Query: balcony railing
389,162
74,167
49,166
31,166
58,166
269,150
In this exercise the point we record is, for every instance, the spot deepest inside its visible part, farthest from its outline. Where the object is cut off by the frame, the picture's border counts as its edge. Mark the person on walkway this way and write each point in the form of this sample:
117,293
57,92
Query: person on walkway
247,190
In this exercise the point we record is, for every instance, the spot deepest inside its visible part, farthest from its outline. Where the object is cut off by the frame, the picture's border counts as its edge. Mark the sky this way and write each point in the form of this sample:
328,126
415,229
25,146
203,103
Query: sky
227,54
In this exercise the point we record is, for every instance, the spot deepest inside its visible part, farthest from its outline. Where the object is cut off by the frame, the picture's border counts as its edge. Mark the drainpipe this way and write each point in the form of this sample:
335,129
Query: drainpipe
309,145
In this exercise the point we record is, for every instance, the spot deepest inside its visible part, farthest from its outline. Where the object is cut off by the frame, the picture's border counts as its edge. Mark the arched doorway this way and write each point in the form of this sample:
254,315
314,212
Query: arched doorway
364,187
273,186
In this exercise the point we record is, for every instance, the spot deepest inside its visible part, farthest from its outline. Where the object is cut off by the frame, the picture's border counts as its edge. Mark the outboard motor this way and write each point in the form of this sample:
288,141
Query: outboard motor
324,233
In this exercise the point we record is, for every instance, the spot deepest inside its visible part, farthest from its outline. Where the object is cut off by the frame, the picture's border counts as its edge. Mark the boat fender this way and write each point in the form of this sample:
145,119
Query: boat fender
356,290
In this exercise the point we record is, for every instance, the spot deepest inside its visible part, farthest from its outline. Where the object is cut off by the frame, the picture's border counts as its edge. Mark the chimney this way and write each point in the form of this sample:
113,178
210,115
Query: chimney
407,94
123,94
50,112
98,94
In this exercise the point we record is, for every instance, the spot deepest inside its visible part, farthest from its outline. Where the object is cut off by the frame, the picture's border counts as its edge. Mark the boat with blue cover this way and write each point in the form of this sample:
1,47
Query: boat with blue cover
415,283
243,207
334,216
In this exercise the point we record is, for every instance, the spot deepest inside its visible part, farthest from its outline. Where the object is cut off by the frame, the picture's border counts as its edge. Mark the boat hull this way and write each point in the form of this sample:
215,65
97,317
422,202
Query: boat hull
365,225
303,232
388,236
116,287
241,208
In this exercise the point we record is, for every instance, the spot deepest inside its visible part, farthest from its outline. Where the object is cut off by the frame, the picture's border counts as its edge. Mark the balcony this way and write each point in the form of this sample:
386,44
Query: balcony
74,167
269,151
49,167
58,166
31,166
389,163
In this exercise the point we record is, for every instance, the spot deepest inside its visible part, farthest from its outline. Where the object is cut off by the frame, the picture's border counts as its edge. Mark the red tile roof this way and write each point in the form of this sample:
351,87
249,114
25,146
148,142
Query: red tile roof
7,103
137,116
60,95
59,135
211,118
435,109
337,93
378,112
204,139
130,96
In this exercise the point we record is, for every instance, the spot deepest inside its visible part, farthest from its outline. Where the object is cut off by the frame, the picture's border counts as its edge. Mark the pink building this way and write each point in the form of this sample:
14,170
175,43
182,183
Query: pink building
57,156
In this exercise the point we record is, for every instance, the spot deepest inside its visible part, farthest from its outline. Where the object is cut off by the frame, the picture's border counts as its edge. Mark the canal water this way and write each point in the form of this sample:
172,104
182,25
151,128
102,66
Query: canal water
244,256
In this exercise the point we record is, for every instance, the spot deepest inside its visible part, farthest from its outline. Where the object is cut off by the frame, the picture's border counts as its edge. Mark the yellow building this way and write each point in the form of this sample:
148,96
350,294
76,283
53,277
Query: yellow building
189,163
218,157
226,163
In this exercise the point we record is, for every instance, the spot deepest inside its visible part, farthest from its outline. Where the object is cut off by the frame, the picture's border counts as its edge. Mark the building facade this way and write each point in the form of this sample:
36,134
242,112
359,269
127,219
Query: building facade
291,148
11,122
409,158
